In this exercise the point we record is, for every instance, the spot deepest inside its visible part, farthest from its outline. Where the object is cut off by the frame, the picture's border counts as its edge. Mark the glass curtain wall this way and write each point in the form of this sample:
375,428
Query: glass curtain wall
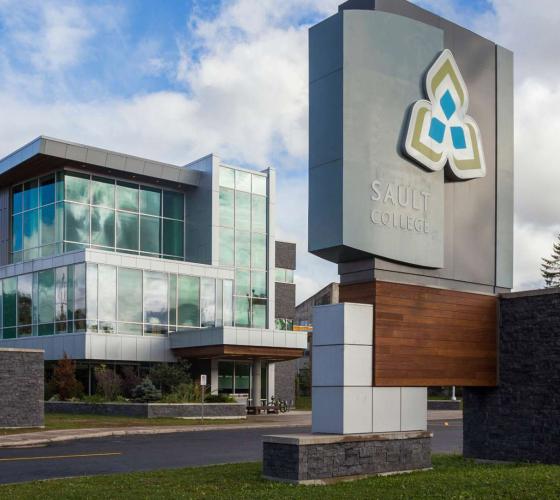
108,299
243,242
68,211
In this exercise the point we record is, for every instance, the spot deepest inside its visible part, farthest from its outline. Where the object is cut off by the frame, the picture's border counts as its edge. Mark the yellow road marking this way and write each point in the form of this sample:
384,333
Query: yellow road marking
53,457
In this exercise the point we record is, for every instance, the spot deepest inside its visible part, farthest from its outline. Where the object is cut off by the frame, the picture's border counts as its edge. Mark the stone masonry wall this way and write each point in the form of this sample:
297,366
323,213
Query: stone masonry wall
21,388
285,380
520,419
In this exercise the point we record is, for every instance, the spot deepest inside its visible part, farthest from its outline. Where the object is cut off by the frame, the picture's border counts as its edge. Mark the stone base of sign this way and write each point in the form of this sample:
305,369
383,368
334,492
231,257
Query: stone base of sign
322,459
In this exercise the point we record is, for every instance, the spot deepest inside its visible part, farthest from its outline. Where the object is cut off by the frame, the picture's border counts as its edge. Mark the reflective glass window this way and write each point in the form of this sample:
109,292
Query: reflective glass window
219,302
225,377
17,232
24,303
129,295
259,185
127,231
242,249
150,234
31,229
172,299
127,196
188,301
258,251
130,329
227,177
61,294
258,214
17,199
46,309
76,219
226,247
155,301
79,302
242,311
289,275
280,324
77,187
47,224
243,181
103,192
9,301
258,284
242,283
280,275
242,378
91,291
242,210
47,190
227,300
102,227
150,200
173,237
259,313
226,207
107,307
207,302
289,324
31,194
173,205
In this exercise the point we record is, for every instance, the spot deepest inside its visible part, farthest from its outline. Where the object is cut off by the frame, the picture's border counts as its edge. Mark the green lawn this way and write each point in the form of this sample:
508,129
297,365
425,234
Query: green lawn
452,478
55,421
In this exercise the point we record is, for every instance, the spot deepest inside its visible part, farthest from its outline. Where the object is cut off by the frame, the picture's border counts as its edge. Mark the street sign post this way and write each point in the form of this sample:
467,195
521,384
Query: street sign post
203,381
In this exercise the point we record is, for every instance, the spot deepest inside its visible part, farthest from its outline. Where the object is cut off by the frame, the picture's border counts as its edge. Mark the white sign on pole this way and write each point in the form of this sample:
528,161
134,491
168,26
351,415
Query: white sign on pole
203,380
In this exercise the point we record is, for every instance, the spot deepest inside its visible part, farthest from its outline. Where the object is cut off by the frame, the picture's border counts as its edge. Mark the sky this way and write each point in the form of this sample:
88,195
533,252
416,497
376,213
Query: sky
176,80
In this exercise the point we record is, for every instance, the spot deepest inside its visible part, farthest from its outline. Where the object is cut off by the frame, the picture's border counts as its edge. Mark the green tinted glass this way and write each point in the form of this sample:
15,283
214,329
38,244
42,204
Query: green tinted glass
127,196
127,231
172,299
207,302
258,215
289,276
61,296
259,184
107,307
226,247
129,295
259,313
150,234
227,177
24,294
46,309
47,190
258,284
173,237
242,249
242,210
47,224
17,232
280,324
77,187
155,298
242,283
188,300
150,201
280,275
102,227
9,301
243,181
258,251
226,207
173,205
227,301
103,192
31,229
76,219
242,311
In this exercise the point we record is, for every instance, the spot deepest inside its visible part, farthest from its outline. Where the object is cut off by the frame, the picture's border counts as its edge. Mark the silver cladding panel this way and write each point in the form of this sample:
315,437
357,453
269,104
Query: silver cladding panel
478,214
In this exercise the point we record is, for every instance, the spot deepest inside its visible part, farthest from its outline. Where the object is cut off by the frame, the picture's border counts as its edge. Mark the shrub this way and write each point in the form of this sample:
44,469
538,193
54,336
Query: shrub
169,376
219,398
109,384
184,393
146,391
130,379
64,381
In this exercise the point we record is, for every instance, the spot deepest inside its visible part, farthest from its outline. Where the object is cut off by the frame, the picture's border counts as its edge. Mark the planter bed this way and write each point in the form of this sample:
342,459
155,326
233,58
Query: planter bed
150,410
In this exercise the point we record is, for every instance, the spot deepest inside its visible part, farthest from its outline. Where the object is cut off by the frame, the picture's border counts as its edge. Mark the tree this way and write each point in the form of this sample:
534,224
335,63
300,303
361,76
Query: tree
130,379
550,268
109,384
146,391
64,380
168,376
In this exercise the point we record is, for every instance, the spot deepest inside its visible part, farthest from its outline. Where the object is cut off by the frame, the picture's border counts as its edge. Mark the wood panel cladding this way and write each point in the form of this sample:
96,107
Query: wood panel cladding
428,336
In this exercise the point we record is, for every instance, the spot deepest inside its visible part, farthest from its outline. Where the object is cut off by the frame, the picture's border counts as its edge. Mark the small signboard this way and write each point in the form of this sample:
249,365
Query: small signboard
203,380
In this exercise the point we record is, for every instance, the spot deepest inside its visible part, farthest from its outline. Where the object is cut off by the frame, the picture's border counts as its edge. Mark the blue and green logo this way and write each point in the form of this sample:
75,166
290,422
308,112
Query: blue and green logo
440,132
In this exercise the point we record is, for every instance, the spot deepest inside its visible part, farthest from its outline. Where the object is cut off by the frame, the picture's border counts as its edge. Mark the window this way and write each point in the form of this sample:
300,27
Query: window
103,192
173,205
102,227
46,306
227,246
258,214
127,196
173,238
150,201
150,234
243,181
127,231
155,303
259,185
188,301
76,187
129,295
284,324
284,275
107,306
226,207
207,302
76,222
227,177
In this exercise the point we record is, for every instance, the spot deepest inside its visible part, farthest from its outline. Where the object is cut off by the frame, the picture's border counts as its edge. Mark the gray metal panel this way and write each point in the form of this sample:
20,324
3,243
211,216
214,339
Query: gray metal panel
325,49
285,255
4,226
504,168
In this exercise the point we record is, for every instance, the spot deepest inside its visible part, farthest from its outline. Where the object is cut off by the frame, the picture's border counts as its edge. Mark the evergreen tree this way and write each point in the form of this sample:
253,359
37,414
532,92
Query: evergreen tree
146,391
550,268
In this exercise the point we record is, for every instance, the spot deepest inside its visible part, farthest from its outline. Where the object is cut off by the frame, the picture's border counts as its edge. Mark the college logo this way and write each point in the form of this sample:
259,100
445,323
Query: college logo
440,132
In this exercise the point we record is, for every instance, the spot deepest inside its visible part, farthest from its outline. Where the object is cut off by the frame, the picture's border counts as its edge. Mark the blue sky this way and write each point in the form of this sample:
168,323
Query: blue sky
174,80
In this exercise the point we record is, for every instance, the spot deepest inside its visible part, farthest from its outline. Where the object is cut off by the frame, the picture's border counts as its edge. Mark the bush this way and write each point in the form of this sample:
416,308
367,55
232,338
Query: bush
219,398
146,391
130,379
167,377
184,393
109,384
64,381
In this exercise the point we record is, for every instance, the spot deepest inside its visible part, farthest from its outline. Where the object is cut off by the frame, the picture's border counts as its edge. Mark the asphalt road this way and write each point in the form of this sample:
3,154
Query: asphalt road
163,451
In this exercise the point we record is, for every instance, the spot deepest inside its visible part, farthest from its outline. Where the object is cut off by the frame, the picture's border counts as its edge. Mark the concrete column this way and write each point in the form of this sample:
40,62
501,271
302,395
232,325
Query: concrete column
271,380
256,390
214,376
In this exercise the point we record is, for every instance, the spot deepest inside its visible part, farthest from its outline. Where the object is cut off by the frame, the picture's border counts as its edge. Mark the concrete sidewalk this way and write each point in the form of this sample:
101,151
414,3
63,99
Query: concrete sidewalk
291,419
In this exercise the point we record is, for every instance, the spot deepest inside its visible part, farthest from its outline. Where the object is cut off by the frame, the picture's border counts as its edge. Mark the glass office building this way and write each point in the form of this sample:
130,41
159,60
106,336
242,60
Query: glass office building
118,259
